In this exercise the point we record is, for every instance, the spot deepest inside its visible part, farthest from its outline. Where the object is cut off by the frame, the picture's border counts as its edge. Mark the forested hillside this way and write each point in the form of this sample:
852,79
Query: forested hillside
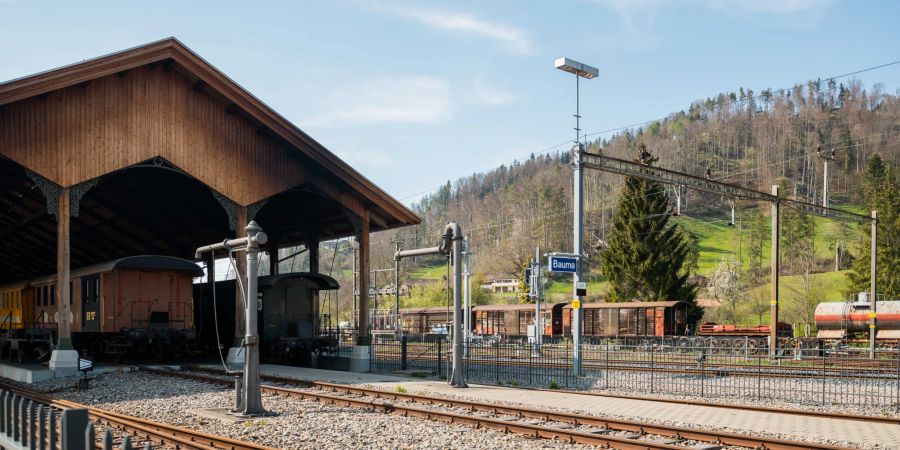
755,139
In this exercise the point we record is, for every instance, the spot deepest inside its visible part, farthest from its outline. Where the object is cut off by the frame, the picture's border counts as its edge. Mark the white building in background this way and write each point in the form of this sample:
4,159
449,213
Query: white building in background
502,285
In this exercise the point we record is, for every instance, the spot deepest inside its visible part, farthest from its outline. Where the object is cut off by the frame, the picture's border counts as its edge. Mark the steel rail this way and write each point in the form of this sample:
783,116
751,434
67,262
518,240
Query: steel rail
680,433
792,412
163,434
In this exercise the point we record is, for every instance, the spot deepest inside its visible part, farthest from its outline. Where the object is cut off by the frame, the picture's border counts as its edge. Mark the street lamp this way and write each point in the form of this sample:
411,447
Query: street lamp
580,70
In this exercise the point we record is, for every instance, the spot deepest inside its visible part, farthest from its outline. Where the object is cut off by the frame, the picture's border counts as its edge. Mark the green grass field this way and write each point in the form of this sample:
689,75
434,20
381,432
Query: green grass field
717,240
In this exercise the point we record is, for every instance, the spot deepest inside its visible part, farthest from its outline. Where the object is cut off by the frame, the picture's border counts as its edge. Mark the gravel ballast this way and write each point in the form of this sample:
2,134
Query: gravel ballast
298,424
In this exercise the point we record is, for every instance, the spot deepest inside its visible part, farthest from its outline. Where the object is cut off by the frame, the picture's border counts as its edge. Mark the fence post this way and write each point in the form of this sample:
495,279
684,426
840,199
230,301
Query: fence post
74,422
42,427
32,413
3,412
89,440
607,364
107,440
16,424
440,360
701,359
823,378
897,356
652,370
758,377
497,362
403,362
51,427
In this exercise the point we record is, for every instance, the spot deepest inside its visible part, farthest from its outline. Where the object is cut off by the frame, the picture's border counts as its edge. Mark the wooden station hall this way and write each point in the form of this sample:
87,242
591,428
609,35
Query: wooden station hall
153,151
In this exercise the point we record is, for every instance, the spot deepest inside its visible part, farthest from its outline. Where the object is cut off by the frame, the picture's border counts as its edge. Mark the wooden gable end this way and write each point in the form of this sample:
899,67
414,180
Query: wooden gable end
94,128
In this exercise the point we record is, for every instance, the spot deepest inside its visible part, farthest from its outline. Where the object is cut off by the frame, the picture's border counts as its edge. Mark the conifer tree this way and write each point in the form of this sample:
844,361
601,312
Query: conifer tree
647,255
882,194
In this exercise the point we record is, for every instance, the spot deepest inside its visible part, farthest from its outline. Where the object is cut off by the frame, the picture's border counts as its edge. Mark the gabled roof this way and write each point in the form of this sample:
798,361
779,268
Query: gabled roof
614,305
171,49
517,307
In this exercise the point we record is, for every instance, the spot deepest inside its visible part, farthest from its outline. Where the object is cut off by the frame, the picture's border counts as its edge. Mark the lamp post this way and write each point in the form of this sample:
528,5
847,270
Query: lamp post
580,70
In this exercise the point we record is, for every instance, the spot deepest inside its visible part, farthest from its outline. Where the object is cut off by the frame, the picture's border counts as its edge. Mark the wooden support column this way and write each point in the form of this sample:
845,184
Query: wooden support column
363,284
240,264
63,287
273,259
313,246
776,267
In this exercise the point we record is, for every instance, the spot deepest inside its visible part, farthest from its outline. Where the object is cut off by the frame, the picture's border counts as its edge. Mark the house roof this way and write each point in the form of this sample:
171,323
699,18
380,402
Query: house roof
518,307
208,78
665,304
148,262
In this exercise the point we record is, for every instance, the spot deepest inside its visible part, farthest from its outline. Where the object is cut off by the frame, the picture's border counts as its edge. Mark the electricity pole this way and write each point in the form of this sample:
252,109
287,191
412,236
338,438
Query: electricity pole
872,273
776,267
825,158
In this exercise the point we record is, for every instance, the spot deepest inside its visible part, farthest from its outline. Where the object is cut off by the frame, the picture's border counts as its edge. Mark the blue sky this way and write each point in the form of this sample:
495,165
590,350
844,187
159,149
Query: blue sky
415,93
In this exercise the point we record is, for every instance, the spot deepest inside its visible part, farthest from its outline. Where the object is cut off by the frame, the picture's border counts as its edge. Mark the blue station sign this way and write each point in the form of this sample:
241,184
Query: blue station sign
563,264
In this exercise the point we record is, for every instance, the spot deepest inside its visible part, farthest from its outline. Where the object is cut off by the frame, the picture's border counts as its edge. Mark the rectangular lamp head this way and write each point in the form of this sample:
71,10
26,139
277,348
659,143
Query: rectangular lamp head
572,66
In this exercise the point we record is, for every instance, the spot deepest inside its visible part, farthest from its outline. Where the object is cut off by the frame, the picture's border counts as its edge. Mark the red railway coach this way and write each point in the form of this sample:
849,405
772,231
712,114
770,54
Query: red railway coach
630,319
139,302
513,320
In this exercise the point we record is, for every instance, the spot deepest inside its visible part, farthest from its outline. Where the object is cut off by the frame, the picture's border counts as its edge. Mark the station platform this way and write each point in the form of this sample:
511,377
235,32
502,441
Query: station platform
843,432
25,373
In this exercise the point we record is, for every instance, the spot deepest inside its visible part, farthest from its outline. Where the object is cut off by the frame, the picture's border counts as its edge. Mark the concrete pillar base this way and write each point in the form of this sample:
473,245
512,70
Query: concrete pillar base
236,357
360,358
64,363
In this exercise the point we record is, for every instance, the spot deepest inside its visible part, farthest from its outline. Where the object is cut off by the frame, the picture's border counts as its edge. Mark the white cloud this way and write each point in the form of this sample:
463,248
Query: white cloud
486,94
637,16
463,23
394,100
777,7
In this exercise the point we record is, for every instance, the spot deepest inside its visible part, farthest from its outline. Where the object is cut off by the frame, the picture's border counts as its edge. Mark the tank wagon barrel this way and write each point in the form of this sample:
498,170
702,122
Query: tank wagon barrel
839,320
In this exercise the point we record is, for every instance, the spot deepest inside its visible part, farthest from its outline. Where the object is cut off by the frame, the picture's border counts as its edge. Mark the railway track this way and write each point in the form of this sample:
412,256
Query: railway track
141,431
791,412
680,368
536,423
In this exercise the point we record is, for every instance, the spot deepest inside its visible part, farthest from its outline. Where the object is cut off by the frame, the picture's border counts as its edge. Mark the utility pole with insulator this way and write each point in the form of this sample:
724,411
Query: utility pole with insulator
825,158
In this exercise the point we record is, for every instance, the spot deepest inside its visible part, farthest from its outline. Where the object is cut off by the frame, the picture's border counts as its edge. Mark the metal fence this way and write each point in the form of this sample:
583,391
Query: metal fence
27,425
735,368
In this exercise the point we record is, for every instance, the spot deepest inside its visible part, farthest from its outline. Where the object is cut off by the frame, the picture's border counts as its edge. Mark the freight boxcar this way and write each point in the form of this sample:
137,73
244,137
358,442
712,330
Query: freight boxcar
427,320
629,319
513,320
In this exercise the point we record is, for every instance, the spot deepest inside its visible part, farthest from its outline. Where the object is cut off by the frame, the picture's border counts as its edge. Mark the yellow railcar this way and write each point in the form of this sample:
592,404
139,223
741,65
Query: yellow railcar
16,306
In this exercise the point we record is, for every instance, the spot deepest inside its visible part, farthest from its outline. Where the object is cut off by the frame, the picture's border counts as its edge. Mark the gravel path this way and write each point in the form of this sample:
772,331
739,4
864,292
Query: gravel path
298,425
